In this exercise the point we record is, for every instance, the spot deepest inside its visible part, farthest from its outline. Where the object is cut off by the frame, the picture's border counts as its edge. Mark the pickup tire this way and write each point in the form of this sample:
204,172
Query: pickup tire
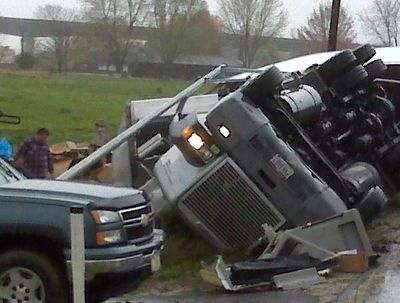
29,276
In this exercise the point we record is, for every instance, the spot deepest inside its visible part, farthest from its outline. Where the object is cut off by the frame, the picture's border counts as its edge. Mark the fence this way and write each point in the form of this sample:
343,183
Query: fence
169,71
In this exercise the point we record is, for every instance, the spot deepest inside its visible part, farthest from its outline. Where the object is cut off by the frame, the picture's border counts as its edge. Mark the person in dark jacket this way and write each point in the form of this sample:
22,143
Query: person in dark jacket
34,157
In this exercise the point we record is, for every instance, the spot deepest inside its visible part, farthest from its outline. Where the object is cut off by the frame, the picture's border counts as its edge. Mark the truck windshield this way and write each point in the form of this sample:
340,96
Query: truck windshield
8,173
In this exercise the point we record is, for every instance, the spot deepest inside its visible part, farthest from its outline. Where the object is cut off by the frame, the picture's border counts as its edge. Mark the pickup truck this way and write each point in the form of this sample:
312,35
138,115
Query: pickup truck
35,266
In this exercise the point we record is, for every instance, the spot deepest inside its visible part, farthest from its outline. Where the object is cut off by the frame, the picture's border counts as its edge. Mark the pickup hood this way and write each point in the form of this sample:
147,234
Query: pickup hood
98,196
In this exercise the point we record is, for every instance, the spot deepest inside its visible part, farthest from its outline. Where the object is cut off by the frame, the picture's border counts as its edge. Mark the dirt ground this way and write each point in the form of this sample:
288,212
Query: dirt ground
370,287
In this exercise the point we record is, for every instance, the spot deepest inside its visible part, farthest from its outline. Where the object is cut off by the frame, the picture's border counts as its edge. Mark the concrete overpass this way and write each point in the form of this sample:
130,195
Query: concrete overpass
29,29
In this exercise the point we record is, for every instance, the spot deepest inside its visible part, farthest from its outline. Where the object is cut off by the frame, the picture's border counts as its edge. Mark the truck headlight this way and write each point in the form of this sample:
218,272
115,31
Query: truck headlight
196,141
109,237
224,131
105,217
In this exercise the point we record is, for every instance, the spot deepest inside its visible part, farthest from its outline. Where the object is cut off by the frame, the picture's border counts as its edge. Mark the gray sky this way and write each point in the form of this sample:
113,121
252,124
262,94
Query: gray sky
298,10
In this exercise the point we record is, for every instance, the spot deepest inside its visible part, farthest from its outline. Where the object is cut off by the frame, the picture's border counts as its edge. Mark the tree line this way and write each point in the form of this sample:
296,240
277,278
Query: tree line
188,27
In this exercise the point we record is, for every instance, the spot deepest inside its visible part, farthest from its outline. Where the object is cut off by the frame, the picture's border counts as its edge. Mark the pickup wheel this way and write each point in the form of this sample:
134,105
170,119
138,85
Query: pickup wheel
28,276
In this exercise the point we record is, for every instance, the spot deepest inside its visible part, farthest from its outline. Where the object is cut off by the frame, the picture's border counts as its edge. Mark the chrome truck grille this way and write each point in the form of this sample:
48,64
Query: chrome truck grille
228,206
138,223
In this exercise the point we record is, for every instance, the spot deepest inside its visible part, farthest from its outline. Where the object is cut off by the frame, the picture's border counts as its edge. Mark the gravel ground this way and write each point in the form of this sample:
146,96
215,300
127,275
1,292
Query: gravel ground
379,284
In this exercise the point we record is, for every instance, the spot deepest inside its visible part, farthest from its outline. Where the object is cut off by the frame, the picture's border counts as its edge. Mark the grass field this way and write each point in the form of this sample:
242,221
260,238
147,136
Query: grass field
70,104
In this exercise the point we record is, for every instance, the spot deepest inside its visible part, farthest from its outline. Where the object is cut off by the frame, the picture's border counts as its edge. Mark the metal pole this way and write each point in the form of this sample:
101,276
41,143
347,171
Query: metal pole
78,254
333,31
125,135
22,45
240,70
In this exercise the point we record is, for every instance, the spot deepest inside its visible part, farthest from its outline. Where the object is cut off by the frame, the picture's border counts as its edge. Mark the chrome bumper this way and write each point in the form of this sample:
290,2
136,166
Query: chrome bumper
129,262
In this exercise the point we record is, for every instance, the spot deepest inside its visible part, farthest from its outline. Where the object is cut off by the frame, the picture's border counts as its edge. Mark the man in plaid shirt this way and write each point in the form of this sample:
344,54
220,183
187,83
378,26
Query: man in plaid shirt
33,156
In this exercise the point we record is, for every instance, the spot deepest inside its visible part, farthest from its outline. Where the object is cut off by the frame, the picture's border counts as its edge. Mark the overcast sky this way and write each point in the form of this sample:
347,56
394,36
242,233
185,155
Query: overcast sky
298,10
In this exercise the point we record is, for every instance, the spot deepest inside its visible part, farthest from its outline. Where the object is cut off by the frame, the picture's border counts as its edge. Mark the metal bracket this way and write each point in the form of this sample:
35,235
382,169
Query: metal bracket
345,231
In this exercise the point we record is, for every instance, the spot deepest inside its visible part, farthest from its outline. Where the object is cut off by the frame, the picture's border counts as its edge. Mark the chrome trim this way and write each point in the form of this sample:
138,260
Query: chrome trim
137,224
125,264
143,239
134,208
229,207
137,221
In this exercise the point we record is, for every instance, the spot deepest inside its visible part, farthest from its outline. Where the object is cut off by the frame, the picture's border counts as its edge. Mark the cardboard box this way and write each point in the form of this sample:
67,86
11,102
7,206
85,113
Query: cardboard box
62,147
353,261
66,153
61,166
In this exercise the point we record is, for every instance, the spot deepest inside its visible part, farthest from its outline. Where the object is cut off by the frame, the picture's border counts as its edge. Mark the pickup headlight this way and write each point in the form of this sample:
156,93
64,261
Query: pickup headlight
105,217
109,237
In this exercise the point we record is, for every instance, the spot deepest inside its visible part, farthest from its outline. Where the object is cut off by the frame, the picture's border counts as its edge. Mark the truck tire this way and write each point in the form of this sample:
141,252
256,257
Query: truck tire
350,80
260,90
28,276
333,67
376,69
364,53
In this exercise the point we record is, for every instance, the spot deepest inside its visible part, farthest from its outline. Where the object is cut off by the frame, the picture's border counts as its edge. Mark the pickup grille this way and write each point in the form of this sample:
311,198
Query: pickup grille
228,205
138,223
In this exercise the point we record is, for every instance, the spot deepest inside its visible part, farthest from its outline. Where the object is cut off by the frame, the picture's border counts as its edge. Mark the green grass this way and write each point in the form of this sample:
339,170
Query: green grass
70,104
181,258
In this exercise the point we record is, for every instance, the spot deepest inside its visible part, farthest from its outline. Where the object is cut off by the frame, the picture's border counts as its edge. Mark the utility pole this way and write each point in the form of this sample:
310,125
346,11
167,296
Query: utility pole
333,31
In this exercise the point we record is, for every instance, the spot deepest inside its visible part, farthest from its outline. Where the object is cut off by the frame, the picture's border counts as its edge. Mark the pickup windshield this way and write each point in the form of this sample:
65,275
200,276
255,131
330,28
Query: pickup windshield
8,173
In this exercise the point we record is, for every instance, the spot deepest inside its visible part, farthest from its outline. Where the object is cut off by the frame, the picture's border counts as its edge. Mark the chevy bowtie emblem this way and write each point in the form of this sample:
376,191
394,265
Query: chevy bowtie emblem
145,219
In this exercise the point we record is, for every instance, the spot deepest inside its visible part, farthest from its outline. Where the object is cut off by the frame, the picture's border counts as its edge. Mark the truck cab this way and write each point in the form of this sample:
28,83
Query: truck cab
255,158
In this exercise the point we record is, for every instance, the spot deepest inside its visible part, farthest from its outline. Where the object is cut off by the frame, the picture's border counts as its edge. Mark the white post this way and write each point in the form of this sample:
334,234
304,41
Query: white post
78,254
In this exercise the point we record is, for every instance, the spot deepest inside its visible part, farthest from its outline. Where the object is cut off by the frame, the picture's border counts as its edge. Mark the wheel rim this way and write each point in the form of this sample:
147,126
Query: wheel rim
21,285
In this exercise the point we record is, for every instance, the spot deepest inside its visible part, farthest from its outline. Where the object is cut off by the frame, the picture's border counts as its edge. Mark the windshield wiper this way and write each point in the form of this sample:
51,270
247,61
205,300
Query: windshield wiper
8,171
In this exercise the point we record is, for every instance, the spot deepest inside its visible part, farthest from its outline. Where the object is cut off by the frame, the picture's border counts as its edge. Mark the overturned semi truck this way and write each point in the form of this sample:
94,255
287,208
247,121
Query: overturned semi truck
271,148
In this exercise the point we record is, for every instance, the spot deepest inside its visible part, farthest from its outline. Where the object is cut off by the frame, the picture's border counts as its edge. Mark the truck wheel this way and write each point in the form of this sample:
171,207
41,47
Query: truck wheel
350,80
27,276
364,53
263,88
376,69
333,67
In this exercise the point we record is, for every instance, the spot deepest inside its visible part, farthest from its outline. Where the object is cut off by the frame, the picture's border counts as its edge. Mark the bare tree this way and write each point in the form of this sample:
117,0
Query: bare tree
382,20
249,21
62,34
172,20
116,20
317,28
